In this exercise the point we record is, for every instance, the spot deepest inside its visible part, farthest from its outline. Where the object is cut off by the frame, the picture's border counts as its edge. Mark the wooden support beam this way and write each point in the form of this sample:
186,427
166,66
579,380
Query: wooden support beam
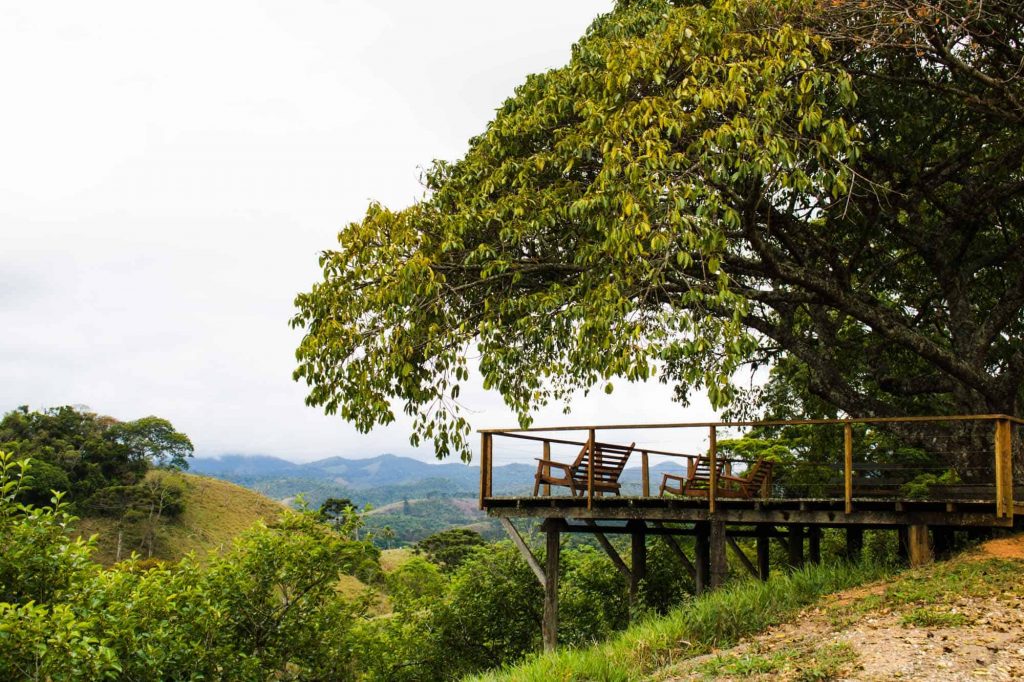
547,458
903,543
713,463
550,625
854,543
638,560
814,544
796,545
763,552
919,549
719,565
703,555
590,469
524,549
741,555
485,444
1004,469
848,466
656,527
680,554
645,473
609,549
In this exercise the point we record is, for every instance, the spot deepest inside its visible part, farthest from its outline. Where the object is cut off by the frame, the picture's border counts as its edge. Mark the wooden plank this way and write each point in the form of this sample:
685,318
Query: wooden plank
645,473
982,518
1004,469
713,464
771,422
549,627
590,470
609,549
524,549
848,465
741,555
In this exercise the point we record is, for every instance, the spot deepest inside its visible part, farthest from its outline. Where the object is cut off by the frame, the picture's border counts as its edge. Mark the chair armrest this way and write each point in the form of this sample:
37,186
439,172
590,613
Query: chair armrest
548,462
665,477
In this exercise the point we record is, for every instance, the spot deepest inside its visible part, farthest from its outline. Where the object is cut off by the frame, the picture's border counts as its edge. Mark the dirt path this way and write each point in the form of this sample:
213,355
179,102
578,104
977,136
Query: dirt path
882,632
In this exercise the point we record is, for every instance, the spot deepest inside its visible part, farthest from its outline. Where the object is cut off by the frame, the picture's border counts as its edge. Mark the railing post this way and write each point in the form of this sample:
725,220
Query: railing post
590,469
547,469
848,465
485,467
713,461
490,465
645,473
1004,469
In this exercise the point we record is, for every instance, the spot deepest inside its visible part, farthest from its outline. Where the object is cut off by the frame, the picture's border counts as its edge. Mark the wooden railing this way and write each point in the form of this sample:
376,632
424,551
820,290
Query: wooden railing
1002,448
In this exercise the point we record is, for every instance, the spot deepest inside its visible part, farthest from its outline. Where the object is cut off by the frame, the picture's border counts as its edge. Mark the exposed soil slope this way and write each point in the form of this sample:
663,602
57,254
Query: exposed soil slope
958,620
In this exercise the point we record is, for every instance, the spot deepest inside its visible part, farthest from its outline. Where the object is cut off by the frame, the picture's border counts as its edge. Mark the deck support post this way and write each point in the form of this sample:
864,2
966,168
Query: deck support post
702,547
763,545
719,565
854,543
796,545
550,624
1004,469
903,543
917,544
637,559
814,544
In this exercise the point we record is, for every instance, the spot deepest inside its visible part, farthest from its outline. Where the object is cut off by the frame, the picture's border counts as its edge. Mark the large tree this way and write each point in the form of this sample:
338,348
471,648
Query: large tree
707,185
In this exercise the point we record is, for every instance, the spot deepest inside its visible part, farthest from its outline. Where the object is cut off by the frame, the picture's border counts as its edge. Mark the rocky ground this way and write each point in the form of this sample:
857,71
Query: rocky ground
956,620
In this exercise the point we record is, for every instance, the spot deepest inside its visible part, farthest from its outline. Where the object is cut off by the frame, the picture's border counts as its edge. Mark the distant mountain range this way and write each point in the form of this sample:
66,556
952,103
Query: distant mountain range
380,480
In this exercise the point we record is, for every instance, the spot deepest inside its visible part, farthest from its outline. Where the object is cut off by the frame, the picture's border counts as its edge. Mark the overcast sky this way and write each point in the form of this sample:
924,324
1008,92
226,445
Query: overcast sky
170,171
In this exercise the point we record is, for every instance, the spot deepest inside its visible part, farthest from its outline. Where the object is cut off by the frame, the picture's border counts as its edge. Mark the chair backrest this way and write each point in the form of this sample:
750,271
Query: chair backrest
701,469
609,461
756,477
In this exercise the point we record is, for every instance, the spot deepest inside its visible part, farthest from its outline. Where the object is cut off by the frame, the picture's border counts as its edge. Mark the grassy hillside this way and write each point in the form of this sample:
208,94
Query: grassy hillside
215,512
960,619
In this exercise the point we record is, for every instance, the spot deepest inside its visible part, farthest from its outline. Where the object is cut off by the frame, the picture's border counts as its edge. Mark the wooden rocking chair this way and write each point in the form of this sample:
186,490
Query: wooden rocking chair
609,461
753,483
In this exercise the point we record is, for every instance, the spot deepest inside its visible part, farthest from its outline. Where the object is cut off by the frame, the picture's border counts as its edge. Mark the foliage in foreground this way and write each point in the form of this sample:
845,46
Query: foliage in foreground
714,620
266,609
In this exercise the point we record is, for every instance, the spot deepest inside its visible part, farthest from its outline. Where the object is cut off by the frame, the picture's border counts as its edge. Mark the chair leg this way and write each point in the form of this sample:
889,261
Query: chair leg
536,485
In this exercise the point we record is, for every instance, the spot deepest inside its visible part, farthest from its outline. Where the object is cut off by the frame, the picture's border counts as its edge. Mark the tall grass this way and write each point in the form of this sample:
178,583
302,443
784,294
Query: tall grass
714,620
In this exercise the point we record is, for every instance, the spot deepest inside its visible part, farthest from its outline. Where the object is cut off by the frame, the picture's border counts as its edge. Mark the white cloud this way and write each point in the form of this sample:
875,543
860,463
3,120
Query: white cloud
171,171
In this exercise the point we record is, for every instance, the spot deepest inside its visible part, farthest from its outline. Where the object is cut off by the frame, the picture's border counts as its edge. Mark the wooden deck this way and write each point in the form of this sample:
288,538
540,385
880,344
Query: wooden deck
716,520
829,512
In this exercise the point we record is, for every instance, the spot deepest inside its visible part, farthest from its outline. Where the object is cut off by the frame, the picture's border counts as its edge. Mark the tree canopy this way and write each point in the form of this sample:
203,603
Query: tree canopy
704,186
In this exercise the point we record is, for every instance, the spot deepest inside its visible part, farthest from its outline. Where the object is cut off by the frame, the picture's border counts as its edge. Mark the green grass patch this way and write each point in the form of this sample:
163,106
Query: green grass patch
928,617
715,620
742,665
803,664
